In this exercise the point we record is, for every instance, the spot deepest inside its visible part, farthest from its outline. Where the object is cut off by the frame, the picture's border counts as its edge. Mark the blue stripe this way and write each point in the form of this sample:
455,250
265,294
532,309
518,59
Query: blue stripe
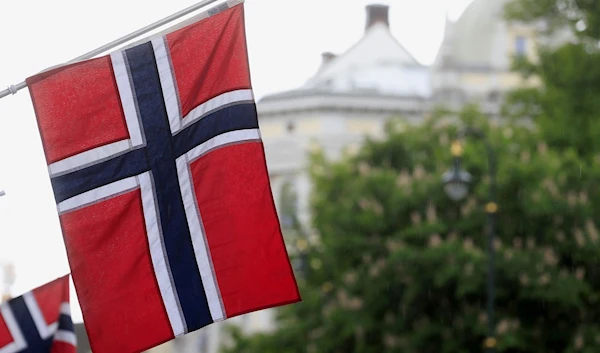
159,156
35,343
237,117
161,159
121,167
65,323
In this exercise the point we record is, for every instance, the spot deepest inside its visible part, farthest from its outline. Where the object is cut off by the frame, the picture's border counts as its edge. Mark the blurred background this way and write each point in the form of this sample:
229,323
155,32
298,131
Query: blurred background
438,186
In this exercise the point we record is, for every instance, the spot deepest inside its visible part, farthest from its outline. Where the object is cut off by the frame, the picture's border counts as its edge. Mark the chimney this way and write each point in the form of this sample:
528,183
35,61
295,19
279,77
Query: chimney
377,14
326,58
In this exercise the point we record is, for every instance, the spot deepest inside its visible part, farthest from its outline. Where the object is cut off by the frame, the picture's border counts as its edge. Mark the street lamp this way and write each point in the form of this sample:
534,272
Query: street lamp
456,180
301,248
456,185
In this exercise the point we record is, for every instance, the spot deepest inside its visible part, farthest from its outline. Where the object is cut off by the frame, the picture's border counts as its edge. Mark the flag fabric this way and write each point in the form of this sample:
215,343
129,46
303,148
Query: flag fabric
38,321
158,170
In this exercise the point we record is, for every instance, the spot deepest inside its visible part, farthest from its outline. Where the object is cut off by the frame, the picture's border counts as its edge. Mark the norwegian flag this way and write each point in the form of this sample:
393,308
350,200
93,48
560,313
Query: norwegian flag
160,179
38,321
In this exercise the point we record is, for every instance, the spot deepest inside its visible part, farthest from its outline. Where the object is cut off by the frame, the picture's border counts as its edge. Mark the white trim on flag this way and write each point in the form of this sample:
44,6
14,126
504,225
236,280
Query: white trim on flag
199,241
45,330
160,262
127,98
18,344
194,217
222,140
84,159
102,153
98,194
216,103
167,81
106,152
66,337
65,309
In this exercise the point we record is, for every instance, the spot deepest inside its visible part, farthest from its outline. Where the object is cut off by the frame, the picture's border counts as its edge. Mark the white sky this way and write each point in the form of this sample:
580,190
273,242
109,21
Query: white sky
285,41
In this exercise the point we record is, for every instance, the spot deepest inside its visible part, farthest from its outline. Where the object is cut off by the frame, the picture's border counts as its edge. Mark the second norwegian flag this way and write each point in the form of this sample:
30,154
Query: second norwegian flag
38,321
161,184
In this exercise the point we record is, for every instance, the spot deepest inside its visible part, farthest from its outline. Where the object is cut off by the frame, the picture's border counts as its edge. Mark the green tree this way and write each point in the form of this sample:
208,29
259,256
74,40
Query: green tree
565,107
401,268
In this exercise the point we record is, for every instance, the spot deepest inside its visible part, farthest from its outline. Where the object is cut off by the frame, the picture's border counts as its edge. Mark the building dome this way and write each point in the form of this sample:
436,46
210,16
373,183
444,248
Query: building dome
478,40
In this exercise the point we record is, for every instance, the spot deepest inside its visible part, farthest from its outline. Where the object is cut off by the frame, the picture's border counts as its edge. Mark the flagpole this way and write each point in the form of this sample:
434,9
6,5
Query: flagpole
13,89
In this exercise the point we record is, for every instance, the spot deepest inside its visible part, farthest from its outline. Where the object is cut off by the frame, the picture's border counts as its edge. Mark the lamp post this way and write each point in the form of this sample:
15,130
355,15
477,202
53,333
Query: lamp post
456,185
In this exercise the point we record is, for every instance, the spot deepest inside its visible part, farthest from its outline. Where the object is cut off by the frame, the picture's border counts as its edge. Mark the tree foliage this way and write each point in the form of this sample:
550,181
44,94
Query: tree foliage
581,17
401,268
565,106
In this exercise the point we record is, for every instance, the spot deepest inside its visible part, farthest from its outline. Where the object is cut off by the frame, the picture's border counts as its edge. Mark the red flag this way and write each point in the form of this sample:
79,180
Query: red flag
160,179
38,321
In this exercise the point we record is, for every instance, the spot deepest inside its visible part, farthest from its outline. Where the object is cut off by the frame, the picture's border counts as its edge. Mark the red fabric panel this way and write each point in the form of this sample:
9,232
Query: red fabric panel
78,108
250,260
50,296
62,347
112,271
5,336
210,58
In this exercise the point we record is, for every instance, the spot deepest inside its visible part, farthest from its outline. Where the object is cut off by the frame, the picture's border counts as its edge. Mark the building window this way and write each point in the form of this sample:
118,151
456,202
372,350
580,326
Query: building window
494,96
521,46
290,127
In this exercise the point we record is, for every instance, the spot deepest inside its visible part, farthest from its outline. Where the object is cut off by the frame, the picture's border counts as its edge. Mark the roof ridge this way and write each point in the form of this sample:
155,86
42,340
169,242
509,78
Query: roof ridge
374,29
